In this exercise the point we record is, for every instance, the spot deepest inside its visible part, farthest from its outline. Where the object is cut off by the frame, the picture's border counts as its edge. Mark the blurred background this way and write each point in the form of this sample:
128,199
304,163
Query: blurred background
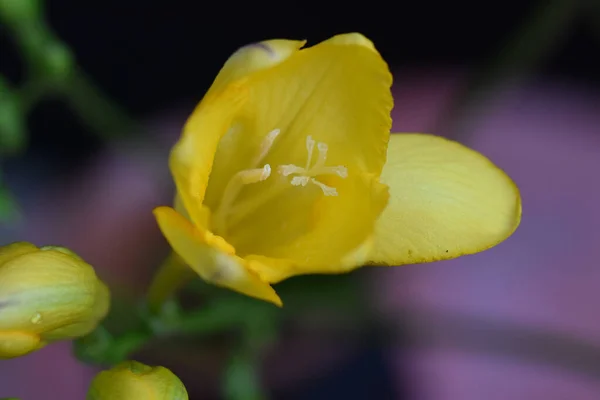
105,97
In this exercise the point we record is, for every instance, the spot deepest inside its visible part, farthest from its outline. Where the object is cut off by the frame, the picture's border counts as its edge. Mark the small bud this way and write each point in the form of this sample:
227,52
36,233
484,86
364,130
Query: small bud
132,380
46,294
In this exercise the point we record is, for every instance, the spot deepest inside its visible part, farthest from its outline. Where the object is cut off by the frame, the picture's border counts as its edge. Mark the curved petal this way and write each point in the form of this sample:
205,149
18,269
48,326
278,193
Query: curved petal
337,93
192,156
274,270
329,235
445,201
254,57
15,249
211,257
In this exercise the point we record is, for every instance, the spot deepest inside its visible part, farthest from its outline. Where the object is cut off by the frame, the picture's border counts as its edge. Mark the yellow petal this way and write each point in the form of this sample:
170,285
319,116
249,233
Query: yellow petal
16,249
17,343
337,92
211,257
254,57
445,201
352,39
327,236
192,157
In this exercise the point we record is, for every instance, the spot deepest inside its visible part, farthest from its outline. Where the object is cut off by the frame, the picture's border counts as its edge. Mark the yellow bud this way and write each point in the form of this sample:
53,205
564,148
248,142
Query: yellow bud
46,294
132,380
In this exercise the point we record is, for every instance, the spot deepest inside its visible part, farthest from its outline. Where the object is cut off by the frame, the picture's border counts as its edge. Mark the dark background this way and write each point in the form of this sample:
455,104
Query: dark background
153,55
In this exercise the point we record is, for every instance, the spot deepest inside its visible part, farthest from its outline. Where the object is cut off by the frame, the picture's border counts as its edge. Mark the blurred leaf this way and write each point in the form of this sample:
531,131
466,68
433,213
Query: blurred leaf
95,109
53,69
18,12
12,121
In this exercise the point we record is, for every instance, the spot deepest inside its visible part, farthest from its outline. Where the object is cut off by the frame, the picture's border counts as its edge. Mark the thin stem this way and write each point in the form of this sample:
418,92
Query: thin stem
53,70
95,108
242,380
171,276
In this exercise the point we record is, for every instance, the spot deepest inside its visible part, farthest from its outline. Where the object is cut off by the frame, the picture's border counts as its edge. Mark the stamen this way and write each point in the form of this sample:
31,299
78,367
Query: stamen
299,181
232,189
327,190
338,170
322,148
289,169
266,145
310,146
254,175
308,173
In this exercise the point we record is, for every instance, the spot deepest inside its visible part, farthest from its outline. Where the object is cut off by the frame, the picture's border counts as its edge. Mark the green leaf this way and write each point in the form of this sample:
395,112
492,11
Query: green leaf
20,11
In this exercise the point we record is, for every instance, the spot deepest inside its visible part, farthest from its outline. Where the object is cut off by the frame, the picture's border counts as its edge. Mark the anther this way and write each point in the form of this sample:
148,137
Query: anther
327,190
289,169
266,145
254,175
299,181
307,174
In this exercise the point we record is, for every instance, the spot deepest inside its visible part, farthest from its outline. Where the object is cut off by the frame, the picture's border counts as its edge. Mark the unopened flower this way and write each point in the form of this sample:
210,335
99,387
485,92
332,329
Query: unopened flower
287,167
46,294
132,380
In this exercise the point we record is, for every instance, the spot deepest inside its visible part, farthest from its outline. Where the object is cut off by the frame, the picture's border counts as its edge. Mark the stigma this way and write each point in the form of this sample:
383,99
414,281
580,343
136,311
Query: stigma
308,173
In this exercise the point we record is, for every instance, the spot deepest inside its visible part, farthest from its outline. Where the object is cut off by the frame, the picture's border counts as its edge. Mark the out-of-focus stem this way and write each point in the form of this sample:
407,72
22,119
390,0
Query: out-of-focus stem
171,277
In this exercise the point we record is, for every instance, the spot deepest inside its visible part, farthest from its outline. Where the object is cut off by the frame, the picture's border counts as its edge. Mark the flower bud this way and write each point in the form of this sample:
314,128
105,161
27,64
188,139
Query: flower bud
132,380
46,294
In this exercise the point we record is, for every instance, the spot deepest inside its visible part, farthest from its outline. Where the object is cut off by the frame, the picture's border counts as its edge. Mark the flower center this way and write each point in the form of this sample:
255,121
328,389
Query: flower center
308,173
302,176
244,177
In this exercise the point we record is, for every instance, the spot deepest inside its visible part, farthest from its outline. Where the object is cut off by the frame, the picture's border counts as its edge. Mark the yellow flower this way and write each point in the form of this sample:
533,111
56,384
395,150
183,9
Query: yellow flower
287,167
132,380
46,294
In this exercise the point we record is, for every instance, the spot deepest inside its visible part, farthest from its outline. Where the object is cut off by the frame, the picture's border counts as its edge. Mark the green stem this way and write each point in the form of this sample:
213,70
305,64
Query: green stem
102,347
53,70
242,379
171,276
95,108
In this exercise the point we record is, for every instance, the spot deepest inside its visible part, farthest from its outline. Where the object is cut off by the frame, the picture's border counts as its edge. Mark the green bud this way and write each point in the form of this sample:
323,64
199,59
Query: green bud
132,380
46,295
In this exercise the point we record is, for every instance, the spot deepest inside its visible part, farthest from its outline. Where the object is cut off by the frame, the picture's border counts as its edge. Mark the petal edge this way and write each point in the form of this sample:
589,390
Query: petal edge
211,262
446,201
